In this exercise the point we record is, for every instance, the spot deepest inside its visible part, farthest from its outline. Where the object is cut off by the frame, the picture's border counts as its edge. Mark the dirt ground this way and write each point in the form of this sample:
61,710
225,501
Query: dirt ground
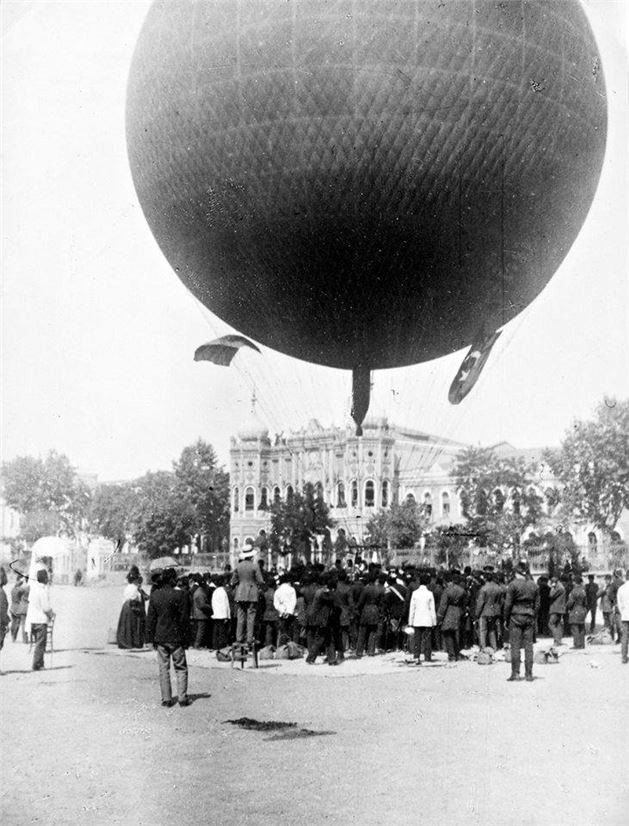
86,741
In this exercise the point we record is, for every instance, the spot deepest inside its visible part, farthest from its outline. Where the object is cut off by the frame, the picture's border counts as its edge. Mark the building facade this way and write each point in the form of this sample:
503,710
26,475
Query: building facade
356,476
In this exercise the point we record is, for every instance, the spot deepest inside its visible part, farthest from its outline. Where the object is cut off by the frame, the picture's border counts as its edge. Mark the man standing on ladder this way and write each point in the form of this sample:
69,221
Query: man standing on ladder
38,616
248,581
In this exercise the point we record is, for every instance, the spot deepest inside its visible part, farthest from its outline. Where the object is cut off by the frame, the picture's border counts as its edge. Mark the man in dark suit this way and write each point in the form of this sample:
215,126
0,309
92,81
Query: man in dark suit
591,592
521,607
168,628
248,581
450,613
488,611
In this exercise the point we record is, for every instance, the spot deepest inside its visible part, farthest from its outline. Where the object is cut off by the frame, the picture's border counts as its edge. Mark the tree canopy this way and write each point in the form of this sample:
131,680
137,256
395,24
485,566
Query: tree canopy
297,520
592,465
399,527
497,497
159,512
48,493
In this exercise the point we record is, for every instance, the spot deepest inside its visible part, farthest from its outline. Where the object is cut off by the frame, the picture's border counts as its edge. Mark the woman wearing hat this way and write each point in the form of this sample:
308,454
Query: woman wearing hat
132,621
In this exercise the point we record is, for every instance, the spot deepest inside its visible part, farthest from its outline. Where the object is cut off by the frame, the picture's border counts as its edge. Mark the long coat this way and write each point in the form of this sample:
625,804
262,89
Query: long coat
322,607
168,620
370,603
451,607
577,605
247,579
489,600
557,599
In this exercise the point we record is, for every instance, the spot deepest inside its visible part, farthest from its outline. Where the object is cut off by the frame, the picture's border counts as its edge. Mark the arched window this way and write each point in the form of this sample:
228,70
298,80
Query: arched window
385,494
340,496
235,543
354,489
236,501
592,540
499,500
481,502
277,496
410,497
445,504
319,490
370,494
428,504
264,500
289,493
515,501
249,499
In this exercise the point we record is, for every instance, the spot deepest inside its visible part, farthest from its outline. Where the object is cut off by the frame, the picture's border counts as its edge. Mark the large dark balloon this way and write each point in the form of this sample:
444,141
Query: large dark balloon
362,183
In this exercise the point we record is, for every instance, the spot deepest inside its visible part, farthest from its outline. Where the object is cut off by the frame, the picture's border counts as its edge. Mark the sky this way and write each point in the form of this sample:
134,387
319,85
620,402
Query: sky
98,333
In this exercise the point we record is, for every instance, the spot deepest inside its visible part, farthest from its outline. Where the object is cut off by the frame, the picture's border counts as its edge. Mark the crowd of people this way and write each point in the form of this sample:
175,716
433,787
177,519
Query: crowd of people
362,609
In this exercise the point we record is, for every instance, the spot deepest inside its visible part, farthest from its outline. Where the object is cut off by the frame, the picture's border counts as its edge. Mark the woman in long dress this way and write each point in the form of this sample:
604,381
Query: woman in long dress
132,620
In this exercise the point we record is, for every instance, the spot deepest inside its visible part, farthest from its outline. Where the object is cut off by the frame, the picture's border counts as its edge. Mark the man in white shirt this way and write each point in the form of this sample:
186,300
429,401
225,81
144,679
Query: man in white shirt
285,602
422,616
622,606
38,616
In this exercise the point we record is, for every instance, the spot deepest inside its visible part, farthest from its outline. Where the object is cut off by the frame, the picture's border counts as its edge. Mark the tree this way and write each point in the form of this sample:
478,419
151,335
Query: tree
46,486
448,544
161,521
400,527
111,512
592,464
298,520
204,487
497,497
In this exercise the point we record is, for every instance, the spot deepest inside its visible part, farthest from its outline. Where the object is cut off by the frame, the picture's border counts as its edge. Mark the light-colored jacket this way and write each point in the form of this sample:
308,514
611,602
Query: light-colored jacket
220,604
622,602
285,600
422,613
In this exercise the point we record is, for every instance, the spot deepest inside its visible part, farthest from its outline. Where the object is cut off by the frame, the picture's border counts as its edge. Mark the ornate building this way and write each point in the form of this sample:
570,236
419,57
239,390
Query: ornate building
357,477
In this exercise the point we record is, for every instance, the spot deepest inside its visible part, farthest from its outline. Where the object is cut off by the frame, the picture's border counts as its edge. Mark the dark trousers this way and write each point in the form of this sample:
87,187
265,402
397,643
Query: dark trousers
578,634
488,630
521,633
201,638
286,629
220,633
542,623
555,624
311,633
624,640
245,621
177,653
353,633
592,612
423,642
437,642
38,635
451,641
322,641
269,632
367,635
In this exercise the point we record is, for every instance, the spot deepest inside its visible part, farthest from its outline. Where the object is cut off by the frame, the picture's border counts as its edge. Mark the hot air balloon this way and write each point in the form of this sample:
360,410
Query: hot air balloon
361,184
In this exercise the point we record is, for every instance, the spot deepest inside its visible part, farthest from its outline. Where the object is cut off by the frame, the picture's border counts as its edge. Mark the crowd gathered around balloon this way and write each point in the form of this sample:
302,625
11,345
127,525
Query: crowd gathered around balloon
355,609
